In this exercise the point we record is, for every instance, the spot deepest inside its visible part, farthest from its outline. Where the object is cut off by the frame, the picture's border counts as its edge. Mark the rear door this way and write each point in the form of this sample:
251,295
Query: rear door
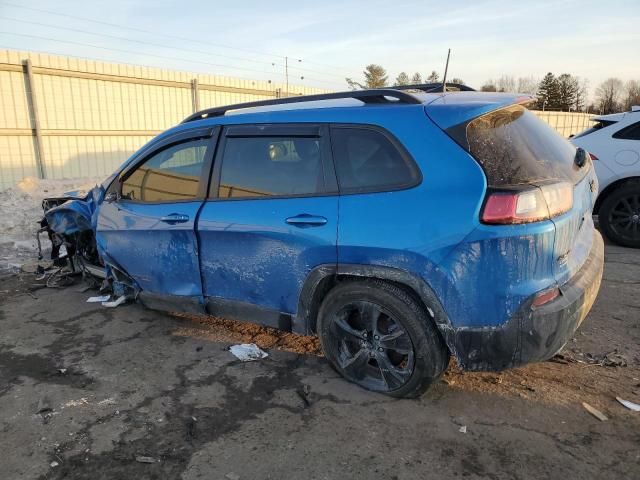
148,228
271,217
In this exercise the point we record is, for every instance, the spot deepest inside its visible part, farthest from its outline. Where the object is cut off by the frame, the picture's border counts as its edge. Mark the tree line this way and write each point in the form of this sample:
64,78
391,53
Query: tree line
564,92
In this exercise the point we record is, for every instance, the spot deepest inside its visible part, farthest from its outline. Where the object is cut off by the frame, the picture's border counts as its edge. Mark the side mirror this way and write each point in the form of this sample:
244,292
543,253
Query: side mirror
111,197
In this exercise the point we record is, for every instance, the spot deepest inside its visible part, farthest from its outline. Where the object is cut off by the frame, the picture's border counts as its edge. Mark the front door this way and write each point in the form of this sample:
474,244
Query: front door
148,228
271,217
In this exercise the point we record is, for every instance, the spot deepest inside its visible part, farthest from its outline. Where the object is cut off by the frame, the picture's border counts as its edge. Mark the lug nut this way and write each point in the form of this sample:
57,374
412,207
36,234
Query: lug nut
380,349
376,337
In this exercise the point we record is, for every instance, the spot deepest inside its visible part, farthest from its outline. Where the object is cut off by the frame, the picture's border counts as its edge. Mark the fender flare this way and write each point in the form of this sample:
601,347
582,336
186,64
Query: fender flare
323,277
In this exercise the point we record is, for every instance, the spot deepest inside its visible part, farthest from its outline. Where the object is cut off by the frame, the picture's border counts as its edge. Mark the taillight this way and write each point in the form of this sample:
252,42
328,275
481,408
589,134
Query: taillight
530,205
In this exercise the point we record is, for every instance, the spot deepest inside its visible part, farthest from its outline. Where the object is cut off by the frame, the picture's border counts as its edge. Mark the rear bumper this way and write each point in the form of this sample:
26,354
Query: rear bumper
532,334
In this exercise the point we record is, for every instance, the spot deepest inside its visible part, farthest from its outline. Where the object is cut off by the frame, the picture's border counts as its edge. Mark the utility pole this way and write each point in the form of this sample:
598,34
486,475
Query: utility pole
286,74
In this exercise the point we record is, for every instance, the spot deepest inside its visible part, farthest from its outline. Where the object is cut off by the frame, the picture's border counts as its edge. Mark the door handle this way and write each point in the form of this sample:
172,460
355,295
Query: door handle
306,220
175,218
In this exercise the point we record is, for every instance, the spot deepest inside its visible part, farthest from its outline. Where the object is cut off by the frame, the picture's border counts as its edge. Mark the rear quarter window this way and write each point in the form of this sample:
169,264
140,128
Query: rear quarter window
368,160
514,147
630,132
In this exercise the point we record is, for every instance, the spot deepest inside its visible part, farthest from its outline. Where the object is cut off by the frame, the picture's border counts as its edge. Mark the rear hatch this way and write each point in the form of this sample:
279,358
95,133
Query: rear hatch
533,174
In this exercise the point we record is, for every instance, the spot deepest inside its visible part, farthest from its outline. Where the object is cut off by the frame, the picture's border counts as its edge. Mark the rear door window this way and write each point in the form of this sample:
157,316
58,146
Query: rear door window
514,147
369,160
271,166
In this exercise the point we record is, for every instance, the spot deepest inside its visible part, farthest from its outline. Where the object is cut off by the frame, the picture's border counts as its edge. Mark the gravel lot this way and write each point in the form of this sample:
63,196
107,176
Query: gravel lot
90,392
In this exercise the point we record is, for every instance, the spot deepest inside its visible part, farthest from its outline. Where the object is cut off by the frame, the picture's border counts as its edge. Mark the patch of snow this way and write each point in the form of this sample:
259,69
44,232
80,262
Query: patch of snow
21,210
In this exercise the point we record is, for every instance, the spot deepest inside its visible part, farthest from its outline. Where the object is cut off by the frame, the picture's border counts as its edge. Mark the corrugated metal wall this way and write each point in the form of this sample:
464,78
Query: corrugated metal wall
93,115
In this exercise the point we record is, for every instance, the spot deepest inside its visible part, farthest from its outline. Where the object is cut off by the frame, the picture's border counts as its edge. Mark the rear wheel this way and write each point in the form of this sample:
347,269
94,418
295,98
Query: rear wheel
378,336
619,215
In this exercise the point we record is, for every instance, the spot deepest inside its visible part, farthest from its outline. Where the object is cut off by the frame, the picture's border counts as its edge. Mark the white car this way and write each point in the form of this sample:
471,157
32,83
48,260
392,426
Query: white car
614,145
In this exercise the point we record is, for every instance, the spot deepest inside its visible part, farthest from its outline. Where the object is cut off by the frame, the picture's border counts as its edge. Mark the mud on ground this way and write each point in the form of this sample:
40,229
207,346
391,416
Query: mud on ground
88,392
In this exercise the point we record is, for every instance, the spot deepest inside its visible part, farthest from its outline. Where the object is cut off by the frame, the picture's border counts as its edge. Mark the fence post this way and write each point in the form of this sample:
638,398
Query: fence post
195,95
33,116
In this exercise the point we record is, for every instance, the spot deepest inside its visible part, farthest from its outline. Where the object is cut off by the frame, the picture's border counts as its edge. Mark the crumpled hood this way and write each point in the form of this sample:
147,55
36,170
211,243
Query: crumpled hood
76,214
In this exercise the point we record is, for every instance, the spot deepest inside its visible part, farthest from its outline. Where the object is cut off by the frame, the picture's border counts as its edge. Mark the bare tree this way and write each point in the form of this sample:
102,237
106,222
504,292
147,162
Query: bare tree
608,95
506,83
433,77
416,79
527,85
402,79
632,94
489,86
457,80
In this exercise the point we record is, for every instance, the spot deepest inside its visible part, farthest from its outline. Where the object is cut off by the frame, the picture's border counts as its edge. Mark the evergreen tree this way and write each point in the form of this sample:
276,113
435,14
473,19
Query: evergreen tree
548,95
402,79
568,89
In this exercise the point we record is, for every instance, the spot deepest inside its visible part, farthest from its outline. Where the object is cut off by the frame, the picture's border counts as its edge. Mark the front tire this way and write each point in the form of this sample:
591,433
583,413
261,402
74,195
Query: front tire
619,215
377,336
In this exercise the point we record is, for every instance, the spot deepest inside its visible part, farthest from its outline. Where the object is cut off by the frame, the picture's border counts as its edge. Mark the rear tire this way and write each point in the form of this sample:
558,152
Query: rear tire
377,336
619,215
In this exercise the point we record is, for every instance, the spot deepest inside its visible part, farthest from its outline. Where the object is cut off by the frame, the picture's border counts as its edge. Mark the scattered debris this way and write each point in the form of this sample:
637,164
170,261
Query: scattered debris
463,429
44,406
630,405
107,401
100,299
595,412
143,459
248,352
232,476
77,403
54,464
119,301
303,392
62,371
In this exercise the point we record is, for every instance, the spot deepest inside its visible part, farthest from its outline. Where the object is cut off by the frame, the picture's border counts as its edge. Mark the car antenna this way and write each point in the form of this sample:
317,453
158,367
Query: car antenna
446,68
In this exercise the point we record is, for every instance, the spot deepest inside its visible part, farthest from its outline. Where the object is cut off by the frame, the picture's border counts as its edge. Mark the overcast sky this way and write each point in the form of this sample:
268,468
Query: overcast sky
336,39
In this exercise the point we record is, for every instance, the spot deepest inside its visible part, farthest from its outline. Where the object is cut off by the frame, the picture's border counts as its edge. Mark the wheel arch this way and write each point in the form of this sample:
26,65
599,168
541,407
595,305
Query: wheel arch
611,188
323,278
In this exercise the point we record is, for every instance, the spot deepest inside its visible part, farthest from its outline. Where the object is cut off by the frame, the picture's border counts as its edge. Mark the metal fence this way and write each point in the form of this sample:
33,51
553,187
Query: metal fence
566,123
63,117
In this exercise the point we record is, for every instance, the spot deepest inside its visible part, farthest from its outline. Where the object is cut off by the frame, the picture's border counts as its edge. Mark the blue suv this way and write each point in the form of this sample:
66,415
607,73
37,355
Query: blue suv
400,226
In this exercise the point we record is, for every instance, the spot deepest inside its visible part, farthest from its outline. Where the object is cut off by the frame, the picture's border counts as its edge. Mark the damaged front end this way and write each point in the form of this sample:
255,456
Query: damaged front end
70,223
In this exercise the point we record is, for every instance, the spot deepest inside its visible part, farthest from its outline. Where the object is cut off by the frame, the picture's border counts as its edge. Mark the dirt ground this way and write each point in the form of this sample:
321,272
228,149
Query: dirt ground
96,393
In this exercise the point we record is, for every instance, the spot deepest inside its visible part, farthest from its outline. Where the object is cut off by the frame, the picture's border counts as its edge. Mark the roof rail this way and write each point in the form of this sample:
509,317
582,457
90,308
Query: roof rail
380,95
435,87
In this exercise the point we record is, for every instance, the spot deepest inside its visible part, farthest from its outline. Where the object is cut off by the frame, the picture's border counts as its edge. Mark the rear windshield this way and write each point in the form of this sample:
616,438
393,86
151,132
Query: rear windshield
597,126
514,147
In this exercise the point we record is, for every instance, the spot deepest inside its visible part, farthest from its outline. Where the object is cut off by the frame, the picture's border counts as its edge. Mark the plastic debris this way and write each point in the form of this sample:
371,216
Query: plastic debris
54,464
247,352
595,412
100,299
119,301
463,429
143,459
630,405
